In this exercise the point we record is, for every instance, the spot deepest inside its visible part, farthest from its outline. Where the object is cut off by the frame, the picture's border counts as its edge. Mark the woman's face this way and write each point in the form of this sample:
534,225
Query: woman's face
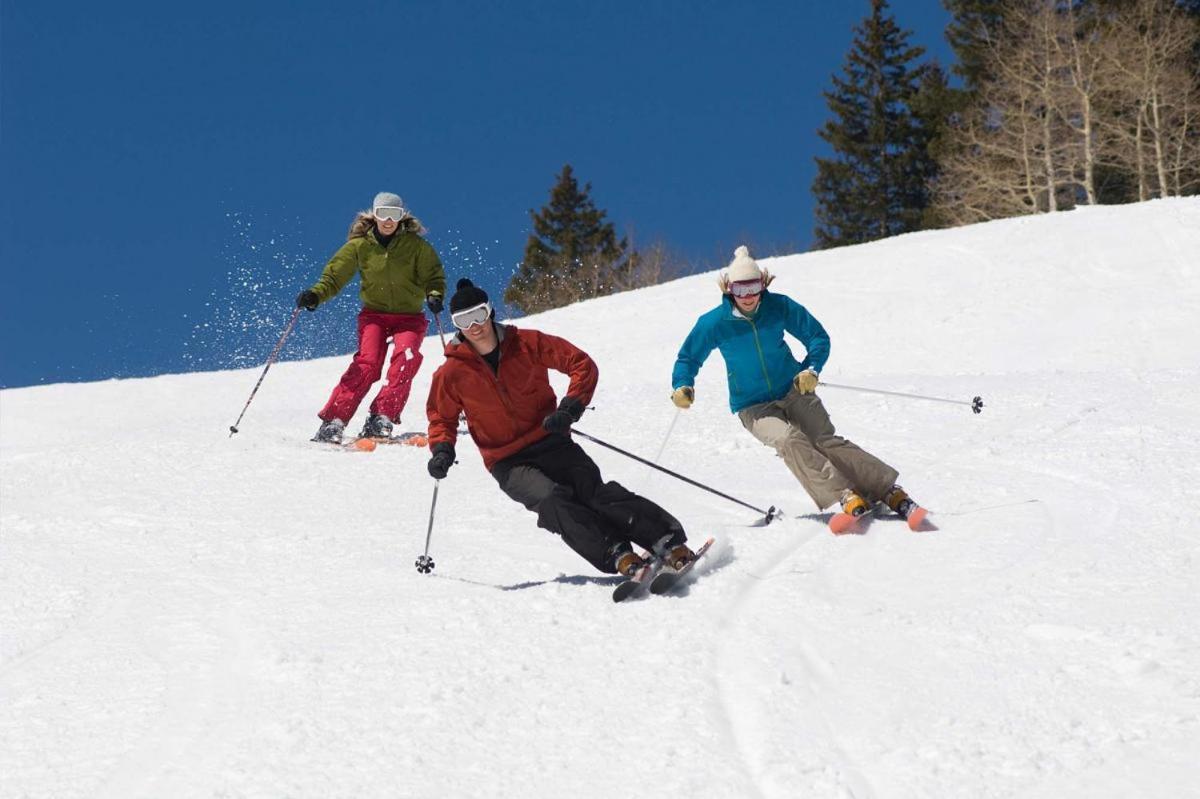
747,304
386,226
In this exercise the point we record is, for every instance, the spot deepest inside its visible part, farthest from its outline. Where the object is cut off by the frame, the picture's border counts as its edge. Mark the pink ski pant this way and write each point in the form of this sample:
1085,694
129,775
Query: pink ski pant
406,331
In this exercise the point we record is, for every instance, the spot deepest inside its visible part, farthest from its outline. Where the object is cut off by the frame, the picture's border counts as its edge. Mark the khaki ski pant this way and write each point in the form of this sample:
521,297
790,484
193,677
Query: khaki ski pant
799,429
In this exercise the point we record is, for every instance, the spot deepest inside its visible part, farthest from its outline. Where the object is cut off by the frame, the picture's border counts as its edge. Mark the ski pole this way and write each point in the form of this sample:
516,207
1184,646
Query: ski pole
424,562
976,403
437,320
768,515
667,437
233,428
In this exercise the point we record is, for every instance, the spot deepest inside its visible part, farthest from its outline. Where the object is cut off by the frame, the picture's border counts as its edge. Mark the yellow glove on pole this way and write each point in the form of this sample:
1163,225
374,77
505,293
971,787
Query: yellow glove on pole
683,397
805,382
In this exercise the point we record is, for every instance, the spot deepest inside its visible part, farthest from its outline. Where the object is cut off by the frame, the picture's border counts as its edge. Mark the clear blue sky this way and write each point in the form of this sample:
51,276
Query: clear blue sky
174,173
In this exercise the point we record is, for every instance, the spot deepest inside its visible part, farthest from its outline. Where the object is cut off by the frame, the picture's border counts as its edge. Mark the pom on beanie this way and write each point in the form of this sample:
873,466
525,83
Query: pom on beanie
466,295
743,267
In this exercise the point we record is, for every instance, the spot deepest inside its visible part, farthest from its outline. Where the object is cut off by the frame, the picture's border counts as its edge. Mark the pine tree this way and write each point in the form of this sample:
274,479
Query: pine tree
572,253
876,186
973,24
938,107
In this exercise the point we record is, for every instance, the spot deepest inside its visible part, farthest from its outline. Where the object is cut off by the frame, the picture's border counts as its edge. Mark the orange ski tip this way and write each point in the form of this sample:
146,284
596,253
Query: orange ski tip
916,518
842,523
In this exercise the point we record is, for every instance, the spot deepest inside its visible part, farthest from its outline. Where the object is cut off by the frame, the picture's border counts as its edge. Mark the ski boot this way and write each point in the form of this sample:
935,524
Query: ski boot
853,506
636,570
377,426
678,556
677,561
903,505
628,563
330,432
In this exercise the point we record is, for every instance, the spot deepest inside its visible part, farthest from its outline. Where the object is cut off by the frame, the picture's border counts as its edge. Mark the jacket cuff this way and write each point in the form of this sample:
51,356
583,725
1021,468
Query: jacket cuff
440,447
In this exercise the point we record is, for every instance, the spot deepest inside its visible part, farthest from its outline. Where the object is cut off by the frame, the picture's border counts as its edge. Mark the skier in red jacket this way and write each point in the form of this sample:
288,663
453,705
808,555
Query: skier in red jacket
498,375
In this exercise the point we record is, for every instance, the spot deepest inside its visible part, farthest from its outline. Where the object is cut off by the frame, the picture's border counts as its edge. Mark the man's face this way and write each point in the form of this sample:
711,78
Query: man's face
479,333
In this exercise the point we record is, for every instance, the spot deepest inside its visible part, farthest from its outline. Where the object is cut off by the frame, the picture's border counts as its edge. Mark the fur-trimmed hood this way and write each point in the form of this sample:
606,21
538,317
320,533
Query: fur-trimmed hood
364,223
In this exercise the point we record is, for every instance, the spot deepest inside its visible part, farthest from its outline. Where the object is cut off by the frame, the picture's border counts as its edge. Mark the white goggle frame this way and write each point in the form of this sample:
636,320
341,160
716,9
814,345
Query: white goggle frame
392,213
469,317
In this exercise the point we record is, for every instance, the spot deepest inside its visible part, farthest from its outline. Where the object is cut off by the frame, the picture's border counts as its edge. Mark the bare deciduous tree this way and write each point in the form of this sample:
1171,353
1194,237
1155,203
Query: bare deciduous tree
1073,86
1155,80
1016,151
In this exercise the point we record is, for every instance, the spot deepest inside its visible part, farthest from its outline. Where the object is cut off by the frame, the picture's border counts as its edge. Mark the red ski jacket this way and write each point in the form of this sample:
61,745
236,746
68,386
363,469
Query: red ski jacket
505,409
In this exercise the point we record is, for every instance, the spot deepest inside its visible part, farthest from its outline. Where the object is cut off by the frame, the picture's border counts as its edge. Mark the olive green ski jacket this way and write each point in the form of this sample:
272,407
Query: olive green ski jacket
395,279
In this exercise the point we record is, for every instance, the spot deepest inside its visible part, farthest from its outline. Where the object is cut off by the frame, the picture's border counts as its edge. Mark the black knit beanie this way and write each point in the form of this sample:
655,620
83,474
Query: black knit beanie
467,295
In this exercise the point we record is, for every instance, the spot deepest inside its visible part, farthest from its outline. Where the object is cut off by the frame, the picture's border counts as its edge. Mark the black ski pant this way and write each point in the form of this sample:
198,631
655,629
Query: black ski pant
557,480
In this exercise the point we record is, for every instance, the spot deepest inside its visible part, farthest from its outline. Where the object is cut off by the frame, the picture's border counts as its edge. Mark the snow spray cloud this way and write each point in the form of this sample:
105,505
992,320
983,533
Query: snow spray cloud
463,257
267,268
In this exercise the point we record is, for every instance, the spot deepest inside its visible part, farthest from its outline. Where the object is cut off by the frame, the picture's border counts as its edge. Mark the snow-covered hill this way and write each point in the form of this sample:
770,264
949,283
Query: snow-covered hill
187,615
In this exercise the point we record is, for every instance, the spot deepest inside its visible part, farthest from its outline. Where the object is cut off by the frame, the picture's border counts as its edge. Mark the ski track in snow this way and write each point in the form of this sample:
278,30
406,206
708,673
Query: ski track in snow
188,615
736,679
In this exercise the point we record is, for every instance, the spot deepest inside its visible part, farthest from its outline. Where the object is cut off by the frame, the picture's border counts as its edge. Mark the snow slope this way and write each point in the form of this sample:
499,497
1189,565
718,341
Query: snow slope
187,615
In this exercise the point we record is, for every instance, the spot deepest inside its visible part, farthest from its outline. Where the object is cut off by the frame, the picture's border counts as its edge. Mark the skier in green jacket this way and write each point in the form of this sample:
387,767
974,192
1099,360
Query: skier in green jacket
400,270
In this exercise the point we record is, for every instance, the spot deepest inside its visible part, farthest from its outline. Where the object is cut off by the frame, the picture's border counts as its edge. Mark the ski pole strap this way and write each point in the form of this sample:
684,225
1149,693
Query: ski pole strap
287,331
976,403
676,475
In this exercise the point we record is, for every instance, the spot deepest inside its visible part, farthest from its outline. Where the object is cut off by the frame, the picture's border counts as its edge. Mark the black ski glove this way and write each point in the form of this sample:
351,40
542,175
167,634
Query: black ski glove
569,411
442,460
308,300
434,303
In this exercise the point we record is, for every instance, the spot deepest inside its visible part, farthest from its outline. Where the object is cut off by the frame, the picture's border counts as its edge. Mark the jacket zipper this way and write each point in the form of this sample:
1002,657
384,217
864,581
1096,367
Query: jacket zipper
388,271
762,359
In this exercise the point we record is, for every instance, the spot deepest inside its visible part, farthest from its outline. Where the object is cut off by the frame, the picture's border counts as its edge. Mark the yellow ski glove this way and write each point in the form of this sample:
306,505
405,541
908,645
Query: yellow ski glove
683,397
805,382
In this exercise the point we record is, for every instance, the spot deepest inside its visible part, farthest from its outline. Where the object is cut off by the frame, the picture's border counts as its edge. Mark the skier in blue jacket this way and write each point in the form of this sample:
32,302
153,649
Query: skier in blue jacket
774,395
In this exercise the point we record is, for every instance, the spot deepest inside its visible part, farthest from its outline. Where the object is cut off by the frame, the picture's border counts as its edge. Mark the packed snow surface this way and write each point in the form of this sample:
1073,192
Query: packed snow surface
185,614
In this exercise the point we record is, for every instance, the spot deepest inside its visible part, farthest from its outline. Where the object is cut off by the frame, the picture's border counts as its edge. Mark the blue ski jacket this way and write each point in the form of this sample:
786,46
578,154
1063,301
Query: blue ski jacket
759,364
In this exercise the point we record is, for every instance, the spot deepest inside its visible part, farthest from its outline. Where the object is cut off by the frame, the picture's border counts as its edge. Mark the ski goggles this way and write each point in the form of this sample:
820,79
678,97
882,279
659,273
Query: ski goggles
746,288
392,213
469,317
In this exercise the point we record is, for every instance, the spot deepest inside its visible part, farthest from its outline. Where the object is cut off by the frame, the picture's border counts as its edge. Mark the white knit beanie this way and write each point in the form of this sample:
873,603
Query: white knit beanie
385,199
743,267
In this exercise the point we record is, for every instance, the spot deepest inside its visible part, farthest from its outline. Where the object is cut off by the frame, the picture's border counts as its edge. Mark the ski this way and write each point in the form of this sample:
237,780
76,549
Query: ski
634,585
368,443
844,523
350,445
413,439
667,578
916,518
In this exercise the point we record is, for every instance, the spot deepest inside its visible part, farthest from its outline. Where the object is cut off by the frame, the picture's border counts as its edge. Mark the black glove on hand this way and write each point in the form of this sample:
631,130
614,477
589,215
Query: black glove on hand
569,411
308,300
442,460
434,303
